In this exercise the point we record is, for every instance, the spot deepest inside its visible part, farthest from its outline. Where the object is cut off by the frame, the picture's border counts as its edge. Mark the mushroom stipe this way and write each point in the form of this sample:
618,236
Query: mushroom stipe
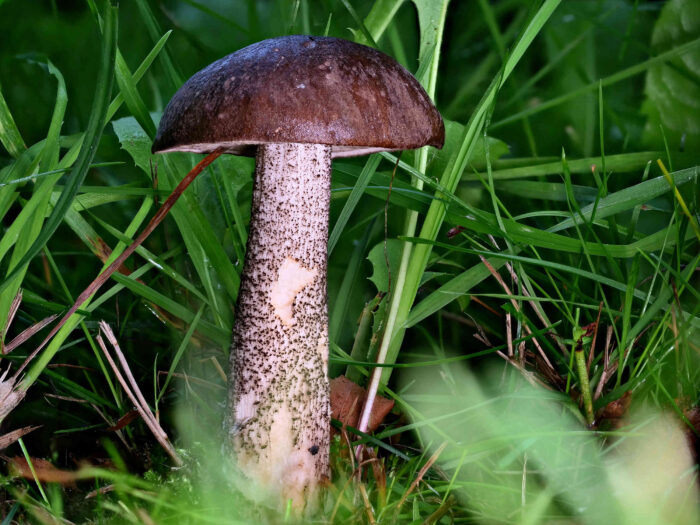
279,402
295,102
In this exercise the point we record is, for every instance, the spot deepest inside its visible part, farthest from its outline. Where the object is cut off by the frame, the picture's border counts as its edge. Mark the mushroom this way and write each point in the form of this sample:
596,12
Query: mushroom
295,102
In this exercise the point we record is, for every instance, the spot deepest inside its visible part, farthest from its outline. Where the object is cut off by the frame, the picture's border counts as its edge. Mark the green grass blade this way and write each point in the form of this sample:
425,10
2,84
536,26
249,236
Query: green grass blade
180,351
133,100
625,162
378,18
404,296
357,192
623,200
363,30
627,198
10,137
607,81
339,310
174,75
171,306
27,227
138,74
87,152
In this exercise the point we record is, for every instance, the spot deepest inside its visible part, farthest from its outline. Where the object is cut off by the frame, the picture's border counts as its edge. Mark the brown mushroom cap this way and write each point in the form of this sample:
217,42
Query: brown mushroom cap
301,89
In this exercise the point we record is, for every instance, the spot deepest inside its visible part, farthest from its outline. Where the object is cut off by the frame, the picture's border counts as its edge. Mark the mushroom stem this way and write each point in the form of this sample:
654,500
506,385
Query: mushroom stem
278,416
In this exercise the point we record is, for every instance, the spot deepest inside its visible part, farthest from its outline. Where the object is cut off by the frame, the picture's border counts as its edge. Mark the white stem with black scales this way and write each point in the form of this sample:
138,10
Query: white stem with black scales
278,416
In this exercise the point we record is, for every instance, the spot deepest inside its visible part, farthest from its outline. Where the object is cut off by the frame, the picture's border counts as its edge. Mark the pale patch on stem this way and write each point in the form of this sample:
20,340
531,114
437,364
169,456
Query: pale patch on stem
292,278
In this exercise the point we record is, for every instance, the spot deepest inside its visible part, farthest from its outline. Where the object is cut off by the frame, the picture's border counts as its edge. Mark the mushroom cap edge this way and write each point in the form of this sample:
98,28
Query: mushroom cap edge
301,89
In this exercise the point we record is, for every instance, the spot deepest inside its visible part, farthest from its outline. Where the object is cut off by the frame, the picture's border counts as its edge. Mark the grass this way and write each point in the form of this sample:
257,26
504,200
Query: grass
541,267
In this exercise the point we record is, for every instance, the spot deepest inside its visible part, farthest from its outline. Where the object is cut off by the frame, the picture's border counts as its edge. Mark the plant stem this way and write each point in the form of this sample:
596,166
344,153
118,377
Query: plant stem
582,370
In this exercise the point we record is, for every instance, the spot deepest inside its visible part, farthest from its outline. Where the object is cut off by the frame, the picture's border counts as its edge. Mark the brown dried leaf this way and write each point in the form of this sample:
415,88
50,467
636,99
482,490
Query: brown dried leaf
101,491
7,439
347,399
10,317
29,332
10,396
124,420
618,408
45,471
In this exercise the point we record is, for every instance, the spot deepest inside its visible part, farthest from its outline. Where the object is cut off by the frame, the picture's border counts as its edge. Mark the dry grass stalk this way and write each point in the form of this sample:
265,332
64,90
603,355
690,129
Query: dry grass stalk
606,363
64,398
530,377
110,422
133,391
421,473
537,308
144,517
26,334
503,284
353,477
440,512
340,498
368,505
509,335
595,338
7,439
101,491
10,396
10,317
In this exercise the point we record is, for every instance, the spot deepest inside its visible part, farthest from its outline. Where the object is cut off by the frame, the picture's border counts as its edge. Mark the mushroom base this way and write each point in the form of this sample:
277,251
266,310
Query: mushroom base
278,414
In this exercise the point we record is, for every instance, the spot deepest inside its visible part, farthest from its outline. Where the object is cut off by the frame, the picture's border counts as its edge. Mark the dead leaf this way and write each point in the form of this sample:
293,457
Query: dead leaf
124,420
10,396
101,491
618,408
29,332
347,399
45,471
7,439
613,415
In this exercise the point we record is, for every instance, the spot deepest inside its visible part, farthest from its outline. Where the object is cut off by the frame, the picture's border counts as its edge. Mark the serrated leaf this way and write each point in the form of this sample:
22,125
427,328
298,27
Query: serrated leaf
383,252
133,139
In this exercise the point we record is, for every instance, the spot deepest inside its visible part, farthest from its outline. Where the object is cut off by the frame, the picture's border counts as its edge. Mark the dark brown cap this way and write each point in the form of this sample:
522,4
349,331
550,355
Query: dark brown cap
303,89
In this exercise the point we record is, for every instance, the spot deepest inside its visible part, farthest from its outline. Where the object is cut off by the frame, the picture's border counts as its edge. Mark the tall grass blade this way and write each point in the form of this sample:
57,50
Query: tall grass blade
87,152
